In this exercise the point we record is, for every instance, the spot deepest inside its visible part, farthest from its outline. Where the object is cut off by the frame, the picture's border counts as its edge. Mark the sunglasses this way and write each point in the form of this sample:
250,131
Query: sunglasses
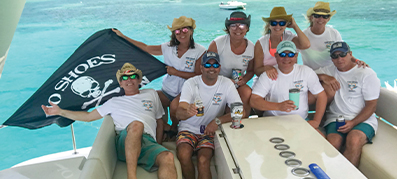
208,65
133,76
342,54
283,54
184,30
318,16
241,26
281,23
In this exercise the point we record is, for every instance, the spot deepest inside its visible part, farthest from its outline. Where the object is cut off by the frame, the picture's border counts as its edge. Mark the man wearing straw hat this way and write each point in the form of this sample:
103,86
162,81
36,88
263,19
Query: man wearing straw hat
137,118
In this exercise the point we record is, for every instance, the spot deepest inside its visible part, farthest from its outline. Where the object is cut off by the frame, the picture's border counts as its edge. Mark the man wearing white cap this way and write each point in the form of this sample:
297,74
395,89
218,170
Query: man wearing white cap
138,122
272,96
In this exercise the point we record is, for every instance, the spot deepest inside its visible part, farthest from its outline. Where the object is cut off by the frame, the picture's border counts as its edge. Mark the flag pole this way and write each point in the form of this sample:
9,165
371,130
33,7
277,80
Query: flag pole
74,140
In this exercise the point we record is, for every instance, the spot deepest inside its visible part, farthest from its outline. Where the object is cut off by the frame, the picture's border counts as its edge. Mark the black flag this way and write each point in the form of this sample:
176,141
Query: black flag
86,79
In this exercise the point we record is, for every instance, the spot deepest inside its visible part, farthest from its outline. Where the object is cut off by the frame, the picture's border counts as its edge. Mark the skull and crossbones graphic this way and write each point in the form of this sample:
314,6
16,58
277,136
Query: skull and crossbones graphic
87,87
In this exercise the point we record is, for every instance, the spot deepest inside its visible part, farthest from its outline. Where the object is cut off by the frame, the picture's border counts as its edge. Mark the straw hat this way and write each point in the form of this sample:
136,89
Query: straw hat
128,69
278,13
238,17
182,21
321,8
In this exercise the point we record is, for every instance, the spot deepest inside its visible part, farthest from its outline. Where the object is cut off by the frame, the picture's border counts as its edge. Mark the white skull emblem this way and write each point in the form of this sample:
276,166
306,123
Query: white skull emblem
86,87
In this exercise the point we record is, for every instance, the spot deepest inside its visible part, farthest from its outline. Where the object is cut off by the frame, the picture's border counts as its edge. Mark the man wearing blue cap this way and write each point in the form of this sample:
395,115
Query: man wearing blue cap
353,93
197,128
272,96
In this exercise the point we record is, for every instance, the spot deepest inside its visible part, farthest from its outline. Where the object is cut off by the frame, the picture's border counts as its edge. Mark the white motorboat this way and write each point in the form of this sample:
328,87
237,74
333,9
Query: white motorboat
391,88
232,158
230,5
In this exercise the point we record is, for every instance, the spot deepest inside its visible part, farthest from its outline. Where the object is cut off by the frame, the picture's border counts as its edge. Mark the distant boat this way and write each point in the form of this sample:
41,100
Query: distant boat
230,5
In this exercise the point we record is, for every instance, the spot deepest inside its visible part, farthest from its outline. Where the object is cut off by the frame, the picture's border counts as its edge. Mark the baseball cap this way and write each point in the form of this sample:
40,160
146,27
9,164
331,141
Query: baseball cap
208,56
286,45
339,46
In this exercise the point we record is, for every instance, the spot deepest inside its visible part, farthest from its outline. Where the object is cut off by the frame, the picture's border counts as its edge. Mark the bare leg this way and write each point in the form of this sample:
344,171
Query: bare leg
355,141
335,140
164,100
173,107
204,156
133,147
185,152
245,95
165,161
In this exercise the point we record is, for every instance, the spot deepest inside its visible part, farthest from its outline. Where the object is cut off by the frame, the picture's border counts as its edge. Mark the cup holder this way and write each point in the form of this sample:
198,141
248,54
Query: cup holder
281,147
293,162
276,140
300,172
287,154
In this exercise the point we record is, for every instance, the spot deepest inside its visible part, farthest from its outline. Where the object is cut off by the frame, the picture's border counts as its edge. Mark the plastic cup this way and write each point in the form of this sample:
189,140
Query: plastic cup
294,96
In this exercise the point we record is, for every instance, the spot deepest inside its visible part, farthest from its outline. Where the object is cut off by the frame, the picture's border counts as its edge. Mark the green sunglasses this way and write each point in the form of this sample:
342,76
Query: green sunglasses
133,76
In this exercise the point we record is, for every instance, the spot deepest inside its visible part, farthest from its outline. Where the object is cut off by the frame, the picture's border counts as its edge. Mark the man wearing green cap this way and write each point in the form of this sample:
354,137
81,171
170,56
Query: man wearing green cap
137,118
272,96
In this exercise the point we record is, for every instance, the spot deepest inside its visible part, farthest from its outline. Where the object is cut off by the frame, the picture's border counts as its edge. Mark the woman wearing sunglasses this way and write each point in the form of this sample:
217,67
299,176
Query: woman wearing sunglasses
274,33
236,53
321,37
182,57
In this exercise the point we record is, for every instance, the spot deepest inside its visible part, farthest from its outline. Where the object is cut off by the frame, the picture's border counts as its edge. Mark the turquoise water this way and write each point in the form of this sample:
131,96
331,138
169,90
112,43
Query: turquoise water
49,32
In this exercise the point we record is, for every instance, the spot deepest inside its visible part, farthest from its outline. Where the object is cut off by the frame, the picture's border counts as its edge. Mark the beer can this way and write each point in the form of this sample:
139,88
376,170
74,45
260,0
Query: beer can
236,73
202,129
200,108
340,121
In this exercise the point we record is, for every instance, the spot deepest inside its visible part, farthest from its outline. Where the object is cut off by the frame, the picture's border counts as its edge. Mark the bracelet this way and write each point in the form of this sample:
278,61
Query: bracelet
357,60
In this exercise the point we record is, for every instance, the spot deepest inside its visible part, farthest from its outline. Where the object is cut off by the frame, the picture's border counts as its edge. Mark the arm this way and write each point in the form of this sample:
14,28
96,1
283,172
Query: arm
260,103
152,49
359,62
212,127
248,75
321,103
159,130
74,115
301,41
329,80
186,75
185,111
365,113
212,47
259,67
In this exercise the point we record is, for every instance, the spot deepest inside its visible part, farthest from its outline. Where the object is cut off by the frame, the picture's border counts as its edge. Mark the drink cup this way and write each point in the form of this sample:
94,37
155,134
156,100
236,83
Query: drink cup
294,96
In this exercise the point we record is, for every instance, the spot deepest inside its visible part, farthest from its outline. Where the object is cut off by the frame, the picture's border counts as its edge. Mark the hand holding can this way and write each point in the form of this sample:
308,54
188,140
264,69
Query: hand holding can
294,95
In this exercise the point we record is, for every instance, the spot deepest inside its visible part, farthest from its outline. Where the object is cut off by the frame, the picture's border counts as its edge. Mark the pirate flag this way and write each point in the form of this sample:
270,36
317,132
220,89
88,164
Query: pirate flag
87,79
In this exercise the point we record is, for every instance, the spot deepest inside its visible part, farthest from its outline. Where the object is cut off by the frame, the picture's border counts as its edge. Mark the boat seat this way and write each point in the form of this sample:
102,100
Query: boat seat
102,161
378,159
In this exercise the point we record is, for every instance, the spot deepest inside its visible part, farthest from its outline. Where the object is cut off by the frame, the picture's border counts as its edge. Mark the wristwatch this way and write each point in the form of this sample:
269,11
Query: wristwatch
218,121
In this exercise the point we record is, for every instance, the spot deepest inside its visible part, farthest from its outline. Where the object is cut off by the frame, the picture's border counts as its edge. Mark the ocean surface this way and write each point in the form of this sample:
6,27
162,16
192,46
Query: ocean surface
50,30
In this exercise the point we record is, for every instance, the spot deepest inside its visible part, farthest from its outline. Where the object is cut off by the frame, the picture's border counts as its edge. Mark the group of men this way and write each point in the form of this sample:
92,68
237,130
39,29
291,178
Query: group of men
350,91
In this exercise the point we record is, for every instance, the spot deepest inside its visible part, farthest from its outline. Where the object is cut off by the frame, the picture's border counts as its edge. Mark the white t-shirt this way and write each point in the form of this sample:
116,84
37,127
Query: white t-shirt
318,54
144,107
301,77
264,41
214,99
173,84
230,60
357,86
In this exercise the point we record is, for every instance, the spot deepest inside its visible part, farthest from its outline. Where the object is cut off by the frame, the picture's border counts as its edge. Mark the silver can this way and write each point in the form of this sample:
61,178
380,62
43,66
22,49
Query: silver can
236,73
